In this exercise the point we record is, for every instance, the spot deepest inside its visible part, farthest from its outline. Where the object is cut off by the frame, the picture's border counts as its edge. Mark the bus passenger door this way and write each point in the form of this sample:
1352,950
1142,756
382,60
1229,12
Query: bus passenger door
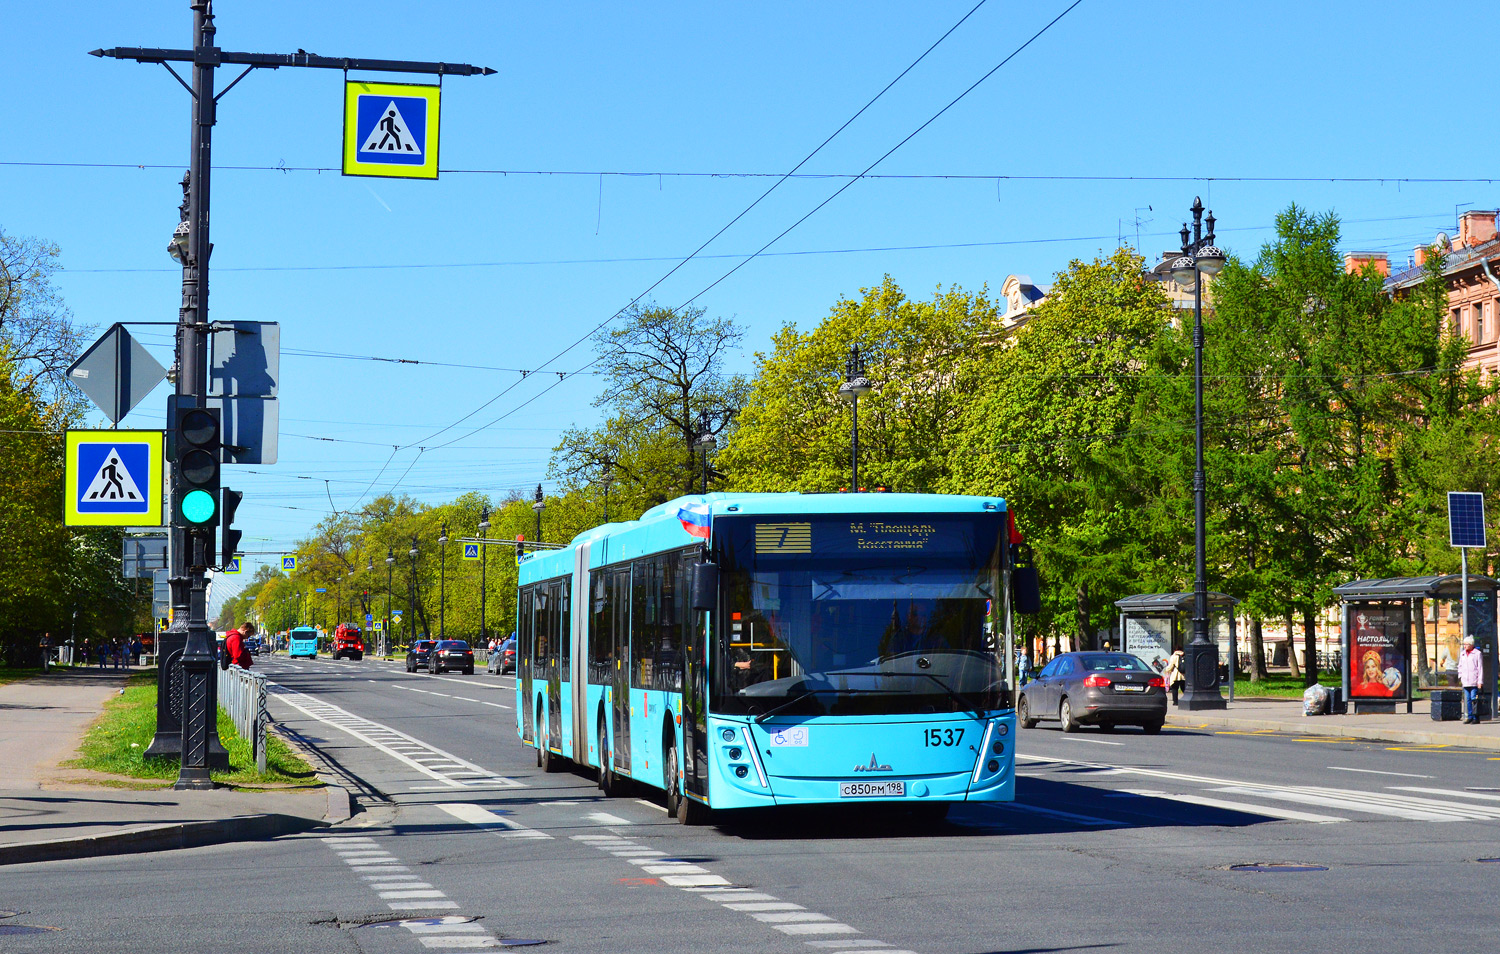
619,596
694,685
559,602
525,651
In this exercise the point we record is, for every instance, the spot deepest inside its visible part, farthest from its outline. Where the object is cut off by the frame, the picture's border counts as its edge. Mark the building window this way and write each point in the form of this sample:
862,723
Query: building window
1457,320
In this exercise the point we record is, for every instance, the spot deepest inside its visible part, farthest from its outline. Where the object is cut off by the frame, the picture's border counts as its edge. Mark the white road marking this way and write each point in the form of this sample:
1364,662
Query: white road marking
1074,738
460,941
1334,801
482,817
605,818
1446,791
784,916
388,740
1342,768
1054,813
642,801
1270,811
387,895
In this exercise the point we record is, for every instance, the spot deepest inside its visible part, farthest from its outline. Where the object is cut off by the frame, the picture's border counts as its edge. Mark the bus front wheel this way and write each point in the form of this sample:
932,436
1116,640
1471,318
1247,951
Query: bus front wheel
606,771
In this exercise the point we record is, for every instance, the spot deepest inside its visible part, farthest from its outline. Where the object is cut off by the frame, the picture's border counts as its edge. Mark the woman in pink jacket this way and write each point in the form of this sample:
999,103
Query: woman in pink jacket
1470,675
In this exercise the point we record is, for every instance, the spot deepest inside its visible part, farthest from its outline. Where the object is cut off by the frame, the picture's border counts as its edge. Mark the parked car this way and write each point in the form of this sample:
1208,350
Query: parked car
417,654
451,654
1103,689
503,659
253,645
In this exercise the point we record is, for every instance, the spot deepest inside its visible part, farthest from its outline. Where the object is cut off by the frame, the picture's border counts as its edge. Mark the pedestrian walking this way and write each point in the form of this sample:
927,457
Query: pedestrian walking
1023,668
136,648
1173,674
117,649
102,652
1470,675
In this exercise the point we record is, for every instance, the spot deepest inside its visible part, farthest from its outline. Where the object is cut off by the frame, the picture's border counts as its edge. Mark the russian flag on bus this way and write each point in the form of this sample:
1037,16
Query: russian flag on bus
694,517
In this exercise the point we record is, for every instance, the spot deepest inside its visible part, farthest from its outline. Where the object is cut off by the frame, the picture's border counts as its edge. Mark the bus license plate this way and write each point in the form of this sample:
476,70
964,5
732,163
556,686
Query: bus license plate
872,789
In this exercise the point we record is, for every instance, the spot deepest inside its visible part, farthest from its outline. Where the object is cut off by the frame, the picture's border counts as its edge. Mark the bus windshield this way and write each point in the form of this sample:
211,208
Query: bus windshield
859,614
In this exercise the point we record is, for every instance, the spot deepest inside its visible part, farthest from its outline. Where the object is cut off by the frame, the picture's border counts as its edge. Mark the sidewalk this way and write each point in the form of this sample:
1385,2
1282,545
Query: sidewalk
48,812
1258,714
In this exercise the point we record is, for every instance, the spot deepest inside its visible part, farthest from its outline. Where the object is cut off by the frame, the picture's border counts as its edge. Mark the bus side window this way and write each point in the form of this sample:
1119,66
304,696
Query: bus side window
601,628
563,614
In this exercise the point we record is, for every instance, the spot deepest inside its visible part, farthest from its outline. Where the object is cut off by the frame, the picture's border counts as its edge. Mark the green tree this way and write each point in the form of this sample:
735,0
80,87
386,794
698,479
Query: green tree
794,431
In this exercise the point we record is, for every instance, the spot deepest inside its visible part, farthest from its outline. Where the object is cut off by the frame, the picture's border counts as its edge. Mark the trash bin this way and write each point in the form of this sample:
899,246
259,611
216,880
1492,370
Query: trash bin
1447,705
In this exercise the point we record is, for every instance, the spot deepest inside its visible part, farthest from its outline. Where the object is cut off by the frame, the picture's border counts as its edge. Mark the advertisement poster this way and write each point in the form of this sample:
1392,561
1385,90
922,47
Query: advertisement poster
1379,651
1150,639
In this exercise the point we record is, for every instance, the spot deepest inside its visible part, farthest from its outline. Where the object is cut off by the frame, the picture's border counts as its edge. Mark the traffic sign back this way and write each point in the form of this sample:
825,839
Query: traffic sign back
113,478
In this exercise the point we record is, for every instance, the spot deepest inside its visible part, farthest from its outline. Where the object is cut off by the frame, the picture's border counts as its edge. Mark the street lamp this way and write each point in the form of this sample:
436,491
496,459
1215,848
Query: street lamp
443,582
1200,258
390,566
484,565
704,443
855,384
411,606
539,503
178,246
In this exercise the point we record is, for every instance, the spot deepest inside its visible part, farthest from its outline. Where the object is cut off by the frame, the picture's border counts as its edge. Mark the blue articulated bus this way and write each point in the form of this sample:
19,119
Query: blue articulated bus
302,641
743,650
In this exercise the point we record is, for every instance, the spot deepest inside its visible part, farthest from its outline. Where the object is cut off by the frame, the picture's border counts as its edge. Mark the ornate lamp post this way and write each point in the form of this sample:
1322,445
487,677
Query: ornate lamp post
1200,257
411,606
366,601
390,566
484,563
443,582
704,443
855,384
539,503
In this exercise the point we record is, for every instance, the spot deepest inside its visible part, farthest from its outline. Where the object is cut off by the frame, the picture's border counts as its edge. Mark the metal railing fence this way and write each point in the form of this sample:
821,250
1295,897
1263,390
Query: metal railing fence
242,695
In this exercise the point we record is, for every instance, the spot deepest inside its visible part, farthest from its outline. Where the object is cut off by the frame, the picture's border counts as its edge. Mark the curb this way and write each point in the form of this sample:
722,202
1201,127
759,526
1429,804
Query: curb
196,834
1317,726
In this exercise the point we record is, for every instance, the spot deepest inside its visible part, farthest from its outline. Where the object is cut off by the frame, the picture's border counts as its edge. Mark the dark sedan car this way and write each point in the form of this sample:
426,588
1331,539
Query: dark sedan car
503,659
451,654
417,656
1103,689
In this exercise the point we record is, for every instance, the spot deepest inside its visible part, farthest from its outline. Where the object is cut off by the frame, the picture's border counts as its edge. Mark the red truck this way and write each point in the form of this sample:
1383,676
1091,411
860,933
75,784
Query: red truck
347,641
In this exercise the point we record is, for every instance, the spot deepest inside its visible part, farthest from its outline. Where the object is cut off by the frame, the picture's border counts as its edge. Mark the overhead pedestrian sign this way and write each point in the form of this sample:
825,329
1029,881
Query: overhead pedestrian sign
391,130
233,566
113,479
289,564
471,551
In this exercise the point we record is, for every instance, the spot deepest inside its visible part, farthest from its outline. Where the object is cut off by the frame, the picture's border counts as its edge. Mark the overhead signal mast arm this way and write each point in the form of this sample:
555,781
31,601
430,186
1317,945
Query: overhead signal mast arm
273,61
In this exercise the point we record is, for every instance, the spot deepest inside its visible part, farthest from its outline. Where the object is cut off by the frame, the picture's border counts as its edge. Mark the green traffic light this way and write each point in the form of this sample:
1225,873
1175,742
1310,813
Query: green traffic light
198,506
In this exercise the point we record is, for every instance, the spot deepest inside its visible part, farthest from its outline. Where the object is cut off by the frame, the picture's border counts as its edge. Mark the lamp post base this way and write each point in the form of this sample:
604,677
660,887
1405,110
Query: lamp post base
1202,669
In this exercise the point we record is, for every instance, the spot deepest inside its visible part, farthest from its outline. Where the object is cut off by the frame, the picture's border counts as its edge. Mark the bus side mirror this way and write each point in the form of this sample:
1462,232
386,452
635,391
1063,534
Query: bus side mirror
1026,586
705,587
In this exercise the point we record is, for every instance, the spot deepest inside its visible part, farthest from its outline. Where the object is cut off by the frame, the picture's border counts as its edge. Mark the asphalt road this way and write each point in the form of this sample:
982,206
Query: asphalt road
1119,841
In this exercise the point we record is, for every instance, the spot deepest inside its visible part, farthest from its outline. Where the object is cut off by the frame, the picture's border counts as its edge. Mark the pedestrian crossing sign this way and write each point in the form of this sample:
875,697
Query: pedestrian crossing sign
379,626
289,564
391,130
471,551
113,479
233,566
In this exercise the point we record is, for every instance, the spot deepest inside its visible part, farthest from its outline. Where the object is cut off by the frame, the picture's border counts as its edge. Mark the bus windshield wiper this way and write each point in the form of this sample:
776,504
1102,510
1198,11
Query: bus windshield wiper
955,695
803,695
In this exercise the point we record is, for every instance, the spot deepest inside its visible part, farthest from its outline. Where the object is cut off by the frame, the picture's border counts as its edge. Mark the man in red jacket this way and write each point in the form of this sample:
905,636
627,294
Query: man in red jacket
234,646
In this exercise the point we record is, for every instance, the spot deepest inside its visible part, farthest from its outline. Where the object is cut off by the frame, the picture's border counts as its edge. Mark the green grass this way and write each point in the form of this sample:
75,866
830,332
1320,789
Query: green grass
1285,685
116,744
10,674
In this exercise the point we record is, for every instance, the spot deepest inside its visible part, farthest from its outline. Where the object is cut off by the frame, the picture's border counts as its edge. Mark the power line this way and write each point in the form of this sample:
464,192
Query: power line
727,174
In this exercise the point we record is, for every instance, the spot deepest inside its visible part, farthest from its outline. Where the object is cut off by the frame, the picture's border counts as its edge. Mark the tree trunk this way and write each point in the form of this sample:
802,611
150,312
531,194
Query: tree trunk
1418,610
1310,645
1081,615
1291,647
1257,652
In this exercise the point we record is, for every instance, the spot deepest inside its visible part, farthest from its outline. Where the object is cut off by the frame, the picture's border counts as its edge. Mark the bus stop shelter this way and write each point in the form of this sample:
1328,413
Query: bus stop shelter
1154,625
1377,643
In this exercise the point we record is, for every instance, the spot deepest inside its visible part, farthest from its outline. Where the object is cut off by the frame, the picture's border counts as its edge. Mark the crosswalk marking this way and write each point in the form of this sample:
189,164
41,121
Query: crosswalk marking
482,817
1447,791
1270,811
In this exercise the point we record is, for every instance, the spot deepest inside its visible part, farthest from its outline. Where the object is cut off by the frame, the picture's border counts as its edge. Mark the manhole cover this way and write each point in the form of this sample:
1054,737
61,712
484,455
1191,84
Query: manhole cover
1278,867
24,929
421,922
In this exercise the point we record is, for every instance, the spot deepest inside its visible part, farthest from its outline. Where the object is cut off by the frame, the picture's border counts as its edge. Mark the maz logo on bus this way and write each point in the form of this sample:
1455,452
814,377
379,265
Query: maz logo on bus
874,766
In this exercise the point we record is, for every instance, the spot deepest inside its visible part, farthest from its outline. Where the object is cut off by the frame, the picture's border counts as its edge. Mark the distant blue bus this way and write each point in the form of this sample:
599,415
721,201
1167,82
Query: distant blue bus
303,641
740,650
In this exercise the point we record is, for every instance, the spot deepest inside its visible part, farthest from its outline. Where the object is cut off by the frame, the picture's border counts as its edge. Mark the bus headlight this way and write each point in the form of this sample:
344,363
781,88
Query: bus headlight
740,771
998,748
736,753
727,735
993,765
1002,729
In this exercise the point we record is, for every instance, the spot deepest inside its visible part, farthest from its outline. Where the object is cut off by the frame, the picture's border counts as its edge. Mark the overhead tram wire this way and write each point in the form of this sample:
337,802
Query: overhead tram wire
887,154
673,270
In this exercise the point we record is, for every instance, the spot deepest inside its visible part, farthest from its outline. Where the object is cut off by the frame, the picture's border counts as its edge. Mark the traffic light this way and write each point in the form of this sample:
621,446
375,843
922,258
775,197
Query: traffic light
229,537
197,470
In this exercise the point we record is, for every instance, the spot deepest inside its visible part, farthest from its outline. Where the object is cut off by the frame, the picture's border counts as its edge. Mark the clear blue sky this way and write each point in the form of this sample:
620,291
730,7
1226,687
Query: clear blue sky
1205,91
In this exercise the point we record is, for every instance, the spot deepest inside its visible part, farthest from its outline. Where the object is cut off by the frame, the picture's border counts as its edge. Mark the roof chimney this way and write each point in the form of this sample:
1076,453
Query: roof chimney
1355,262
1420,254
1475,228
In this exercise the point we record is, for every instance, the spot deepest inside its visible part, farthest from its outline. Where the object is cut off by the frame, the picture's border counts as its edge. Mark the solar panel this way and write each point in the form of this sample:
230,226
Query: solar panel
1466,520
